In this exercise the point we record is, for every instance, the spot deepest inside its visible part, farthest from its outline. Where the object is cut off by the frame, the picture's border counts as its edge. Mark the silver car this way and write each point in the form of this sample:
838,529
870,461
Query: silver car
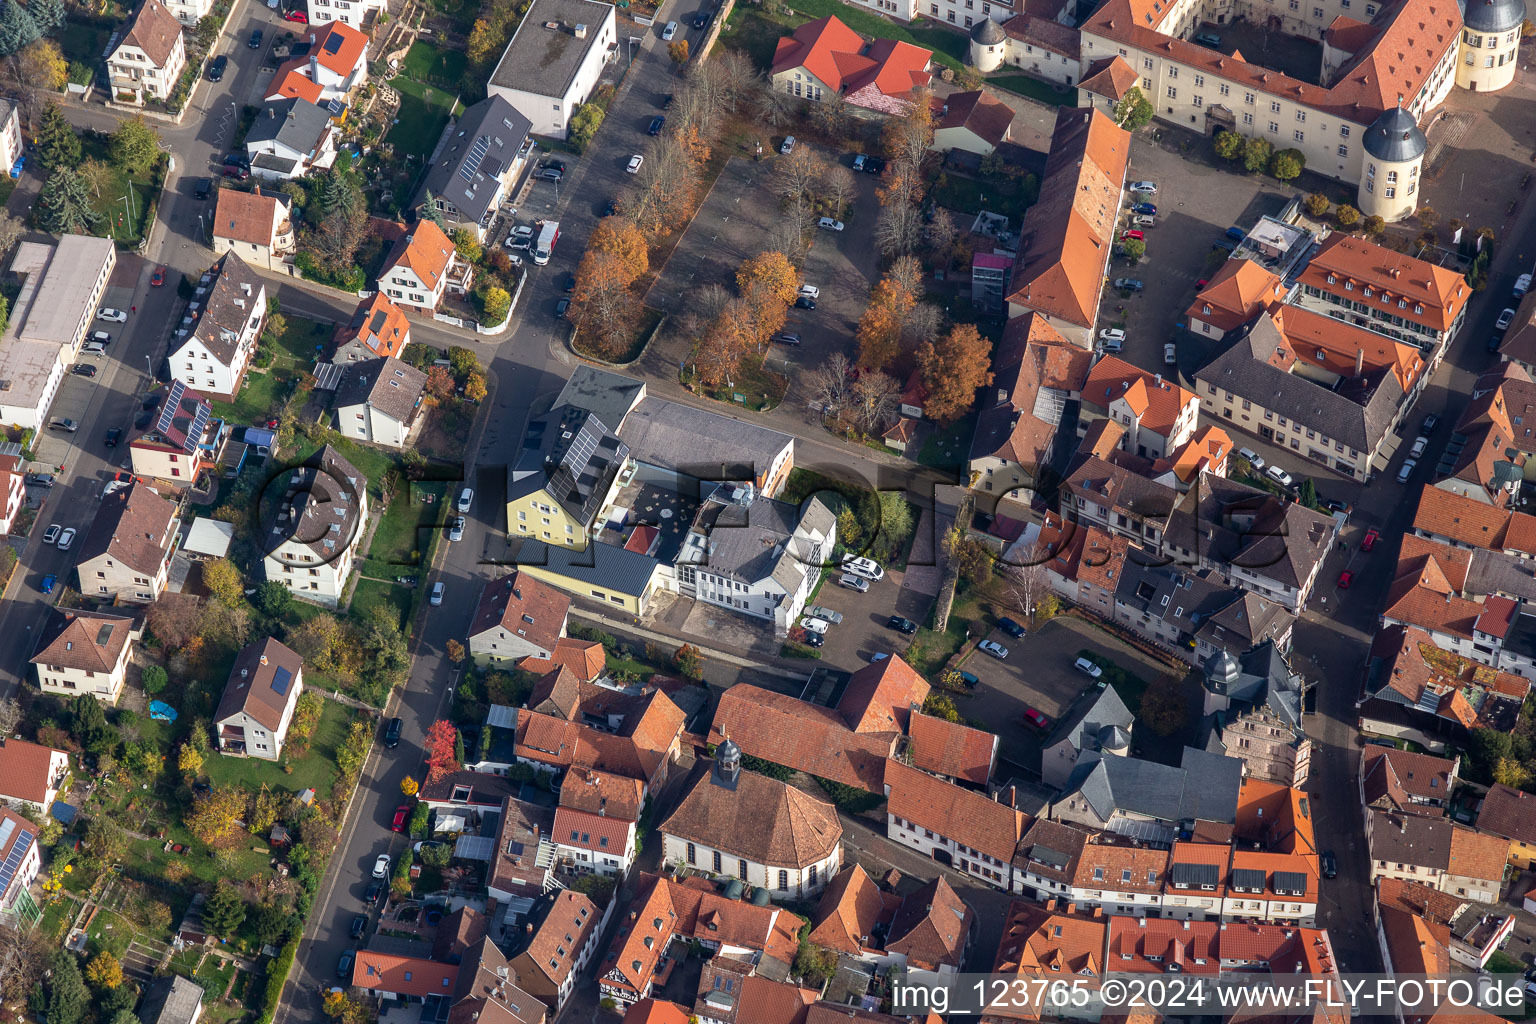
993,648
823,613
456,531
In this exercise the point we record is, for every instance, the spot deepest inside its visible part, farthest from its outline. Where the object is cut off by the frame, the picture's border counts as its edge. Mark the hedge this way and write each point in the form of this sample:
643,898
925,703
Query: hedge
277,976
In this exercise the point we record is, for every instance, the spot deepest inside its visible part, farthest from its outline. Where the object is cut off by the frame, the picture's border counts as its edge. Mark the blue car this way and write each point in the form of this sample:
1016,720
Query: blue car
1150,209
47,585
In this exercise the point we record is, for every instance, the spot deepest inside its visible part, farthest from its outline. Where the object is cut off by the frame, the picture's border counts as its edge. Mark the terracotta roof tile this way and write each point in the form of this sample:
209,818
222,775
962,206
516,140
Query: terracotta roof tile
1406,773
1235,294
426,252
1110,77
1474,855
583,659
964,815
1039,940
558,938
263,683
1468,521
952,749
1275,816
1417,898
850,910
655,1011
880,697
378,325
249,216
764,1001
154,30
338,46
931,927
83,639
387,973
1158,404
1051,849
25,767
1508,812
763,820
986,117
1390,275
1124,868
135,526
1414,945
290,80
523,606
595,832
806,737
587,789
1153,945
837,56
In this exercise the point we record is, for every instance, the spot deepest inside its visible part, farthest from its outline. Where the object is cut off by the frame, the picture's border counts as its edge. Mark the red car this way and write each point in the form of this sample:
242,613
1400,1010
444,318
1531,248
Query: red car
1036,719
1344,579
298,16
157,279
1371,536
1133,233
1202,282
401,813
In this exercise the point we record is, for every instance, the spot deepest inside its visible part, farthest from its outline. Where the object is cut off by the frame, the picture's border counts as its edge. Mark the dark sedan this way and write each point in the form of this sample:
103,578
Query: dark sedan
1010,627
901,625
216,68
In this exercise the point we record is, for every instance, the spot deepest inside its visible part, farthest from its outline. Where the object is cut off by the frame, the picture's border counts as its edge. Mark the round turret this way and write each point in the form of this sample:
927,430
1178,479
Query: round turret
1221,671
1389,174
989,45
1394,137
1114,740
1489,50
1492,15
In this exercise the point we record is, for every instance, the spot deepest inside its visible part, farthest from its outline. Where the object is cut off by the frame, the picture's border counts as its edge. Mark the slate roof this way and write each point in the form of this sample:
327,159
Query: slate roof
605,565
609,396
481,147
1091,712
227,305
762,820
327,504
544,61
1205,787
573,457
964,815
524,605
1232,523
1068,235
292,122
135,526
388,385
83,639
931,927
263,683
171,1000
154,30
953,749
757,543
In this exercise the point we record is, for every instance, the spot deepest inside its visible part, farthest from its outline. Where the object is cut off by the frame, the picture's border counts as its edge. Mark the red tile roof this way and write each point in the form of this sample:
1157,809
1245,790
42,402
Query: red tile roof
764,1001
1110,77
1475,855
585,659
1124,868
850,909
385,972
250,217
964,815
984,116
559,938
1382,276
1508,812
381,326
1235,294
83,639
587,831
426,253
763,820
523,606
931,928
290,80
656,1011
25,767
1188,947
1040,940
1157,400
880,697
806,737
597,792
837,56
952,749
338,46
1276,816
1387,771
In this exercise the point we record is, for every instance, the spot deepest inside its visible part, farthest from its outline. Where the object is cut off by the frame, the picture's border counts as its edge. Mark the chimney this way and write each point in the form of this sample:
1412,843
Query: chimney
580,32
263,659
314,68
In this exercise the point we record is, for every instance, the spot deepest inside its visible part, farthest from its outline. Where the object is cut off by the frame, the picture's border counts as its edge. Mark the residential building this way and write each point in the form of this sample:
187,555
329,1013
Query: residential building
473,980
602,574
849,743
33,774
1046,860
756,555
690,910
1143,945
1098,722
13,493
189,12
1069,236
1043,45
523,864
679,447
1152,801
767,833
127,554
952,750
1422,929
584,659
854,916
182,442
1465,522
1276,887
1510,814
517,617
1494,450
1438,853
379,401
256,224
932,929
378,329
480,166
81,651
20,863
967,830
257,707
1253,707
1236,293
423,267
211,348
171,1000
290,138
656,1011
825,58
1409,300
1157,416
311,543
337,61
564,477
1048,940
1414,689
597,822
149,56
558,948
635,733
1035,373
360,14
1120,875
464,798
554,61
10,134
1406,781
972,121
1195,613
1085,563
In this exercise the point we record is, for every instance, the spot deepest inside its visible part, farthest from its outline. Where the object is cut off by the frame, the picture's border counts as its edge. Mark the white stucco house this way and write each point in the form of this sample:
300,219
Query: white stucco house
82,651
554,61
312,538
211,347
257,707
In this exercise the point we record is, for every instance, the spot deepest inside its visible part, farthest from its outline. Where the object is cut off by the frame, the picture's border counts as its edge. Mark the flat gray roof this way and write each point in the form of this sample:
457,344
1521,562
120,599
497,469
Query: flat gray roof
62,297
703,444
543,60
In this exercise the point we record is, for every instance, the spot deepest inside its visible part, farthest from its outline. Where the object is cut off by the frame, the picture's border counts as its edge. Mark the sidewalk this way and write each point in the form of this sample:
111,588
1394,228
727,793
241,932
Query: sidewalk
677,637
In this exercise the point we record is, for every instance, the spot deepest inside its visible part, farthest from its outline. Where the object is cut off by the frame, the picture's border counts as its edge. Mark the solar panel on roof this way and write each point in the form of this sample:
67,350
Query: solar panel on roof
172,403
104,634
1248,879
1291,882
1194,874
199,424
472,162
280,680
333,42
14,858
379,319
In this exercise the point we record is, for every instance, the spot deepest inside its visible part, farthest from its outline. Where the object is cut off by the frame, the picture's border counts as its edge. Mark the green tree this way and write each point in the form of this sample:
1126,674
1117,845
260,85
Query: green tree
941,705
585,122
135,145
1316,204
274,599
64,204
17,29
467,245
223,581
429,211
1374,225
1287,164
1133,111
274,922
225,910
462,361
68,998
895,520
1486,748
57,143
437,856
1228,145
154,679
47,15
88,724
125,1017
1133,249
497,304
1256,154
689,660
1346,215
104,971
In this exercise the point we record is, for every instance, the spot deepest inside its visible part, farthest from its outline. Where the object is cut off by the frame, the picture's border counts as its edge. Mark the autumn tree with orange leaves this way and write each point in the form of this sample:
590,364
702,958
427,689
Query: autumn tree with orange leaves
953,368
622,237
768,283
604,309
439,744
890,303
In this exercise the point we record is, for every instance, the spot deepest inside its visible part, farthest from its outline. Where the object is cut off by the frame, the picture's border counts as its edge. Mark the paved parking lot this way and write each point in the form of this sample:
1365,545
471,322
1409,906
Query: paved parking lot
863,630
1038,674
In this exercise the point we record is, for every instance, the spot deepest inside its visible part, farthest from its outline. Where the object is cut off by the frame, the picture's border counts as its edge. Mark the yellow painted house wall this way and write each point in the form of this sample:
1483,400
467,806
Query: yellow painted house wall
581,588
1522,855
552,527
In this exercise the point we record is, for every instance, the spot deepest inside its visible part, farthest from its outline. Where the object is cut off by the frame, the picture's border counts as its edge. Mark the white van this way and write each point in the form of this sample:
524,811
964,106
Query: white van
817,626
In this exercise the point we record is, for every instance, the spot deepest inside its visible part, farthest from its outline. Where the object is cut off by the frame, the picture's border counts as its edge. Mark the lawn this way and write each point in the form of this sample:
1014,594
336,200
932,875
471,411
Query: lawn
123,209
315,770
83,43
371,594
398,541
426,63
371,462
419,122
260,399
950,447
265,392
1035,89
753,34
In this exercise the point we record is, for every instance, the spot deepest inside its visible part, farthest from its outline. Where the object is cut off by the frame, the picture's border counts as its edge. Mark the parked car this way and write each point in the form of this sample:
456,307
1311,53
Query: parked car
817,611
1135,234
381,866
94,348
828,224
1329,863
1335,505
359,926
970,679
466,499
46,586
866,567
657,123
521,237
1236,234
1345,578
1253,459
787,338
255,41
297,16
550,174
901,625
1495,342
1128,284
437,593
788,146
814,640
1506,317
101,337
1144,220
1147,209
1225,244
401,814
1279,476
1170,353
1406,471
157,279
51,535
1112,334
456,530
83,370
1522,285
375,889
112,316
993,648
65,424
236,171
203,188
392,732
701,19
811,624
1428,424
1012,628
1037,719
1371,537
66,538
1144,187
113,436
1088,668
1419,444
633,167
805,302
810,291
1209,39
216,68
853,582
868,164
670,32
40,479
562,307
344,962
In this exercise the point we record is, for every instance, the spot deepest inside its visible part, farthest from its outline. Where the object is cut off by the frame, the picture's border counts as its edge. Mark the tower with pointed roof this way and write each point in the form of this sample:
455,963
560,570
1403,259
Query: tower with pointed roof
989,45
1389,175
1490,43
